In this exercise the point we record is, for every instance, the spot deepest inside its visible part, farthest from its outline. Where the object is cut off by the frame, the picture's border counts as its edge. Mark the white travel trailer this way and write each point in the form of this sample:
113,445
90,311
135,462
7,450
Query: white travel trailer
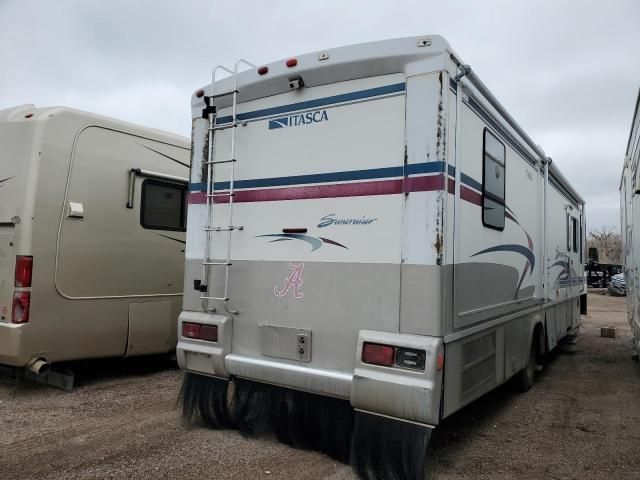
369,231
92,221
629,210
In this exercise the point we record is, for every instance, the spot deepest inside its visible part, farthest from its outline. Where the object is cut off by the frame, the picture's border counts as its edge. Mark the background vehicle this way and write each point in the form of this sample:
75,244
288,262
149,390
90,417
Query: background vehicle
629,211
92,215
369,231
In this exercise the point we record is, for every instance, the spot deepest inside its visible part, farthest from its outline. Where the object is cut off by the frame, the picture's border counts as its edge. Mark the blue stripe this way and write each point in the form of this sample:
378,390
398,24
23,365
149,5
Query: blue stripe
317,103
471,182
370,174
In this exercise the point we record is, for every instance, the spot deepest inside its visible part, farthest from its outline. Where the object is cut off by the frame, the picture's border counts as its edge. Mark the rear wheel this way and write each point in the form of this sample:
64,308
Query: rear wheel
524,379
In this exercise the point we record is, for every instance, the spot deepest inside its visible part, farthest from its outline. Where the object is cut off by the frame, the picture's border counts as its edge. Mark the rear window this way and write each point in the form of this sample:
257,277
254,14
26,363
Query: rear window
163,205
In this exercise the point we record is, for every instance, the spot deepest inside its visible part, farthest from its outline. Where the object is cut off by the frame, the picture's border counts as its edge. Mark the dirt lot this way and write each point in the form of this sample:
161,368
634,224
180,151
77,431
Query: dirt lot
580,420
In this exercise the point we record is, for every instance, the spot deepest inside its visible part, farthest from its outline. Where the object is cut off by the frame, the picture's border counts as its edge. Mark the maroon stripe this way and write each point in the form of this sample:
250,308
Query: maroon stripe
470,195
451,185
382,187
424,184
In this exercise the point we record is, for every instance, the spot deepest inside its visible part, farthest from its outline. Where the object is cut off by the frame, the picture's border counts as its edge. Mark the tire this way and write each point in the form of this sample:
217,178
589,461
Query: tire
524,379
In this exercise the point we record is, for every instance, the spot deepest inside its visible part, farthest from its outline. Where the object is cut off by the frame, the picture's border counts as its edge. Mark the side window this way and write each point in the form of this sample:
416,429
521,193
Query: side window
574,228
163,206
568,232
493,182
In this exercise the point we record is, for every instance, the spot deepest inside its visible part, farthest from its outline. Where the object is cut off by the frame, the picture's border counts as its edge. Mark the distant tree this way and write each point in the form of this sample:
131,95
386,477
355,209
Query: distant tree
608,242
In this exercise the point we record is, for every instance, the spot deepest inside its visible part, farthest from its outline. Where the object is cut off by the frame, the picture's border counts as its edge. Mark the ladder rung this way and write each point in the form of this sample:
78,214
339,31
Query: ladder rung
218,264
222,299
224,94
220,161
224,127
215,195
224,229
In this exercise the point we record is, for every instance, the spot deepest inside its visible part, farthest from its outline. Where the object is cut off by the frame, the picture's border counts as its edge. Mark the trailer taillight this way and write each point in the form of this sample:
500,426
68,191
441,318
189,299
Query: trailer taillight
209,333
392,356
191,330
378,354
24,267
200,332
21,303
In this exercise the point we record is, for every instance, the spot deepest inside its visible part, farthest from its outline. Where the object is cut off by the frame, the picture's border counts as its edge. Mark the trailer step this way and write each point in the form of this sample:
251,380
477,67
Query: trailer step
223,94
218,162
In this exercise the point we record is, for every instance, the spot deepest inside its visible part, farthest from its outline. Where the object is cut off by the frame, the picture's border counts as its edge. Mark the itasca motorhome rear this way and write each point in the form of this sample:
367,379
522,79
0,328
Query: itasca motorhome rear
372,243
92,215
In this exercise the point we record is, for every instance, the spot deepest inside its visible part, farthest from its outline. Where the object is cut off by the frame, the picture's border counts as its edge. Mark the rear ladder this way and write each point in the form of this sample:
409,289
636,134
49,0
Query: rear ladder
208,263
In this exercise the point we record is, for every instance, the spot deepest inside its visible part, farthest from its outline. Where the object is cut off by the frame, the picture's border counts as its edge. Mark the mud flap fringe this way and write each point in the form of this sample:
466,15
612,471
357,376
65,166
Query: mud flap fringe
386,449
378,448
204,401
298,419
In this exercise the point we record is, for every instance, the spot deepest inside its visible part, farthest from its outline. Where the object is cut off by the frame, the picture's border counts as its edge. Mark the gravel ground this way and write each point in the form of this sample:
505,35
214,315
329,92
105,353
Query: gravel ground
580,420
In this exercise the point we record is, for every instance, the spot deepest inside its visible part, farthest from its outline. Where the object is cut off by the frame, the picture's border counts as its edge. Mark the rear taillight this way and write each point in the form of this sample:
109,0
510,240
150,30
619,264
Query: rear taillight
209,333
21,303
200,331
378,354
390,356
191,330
24,268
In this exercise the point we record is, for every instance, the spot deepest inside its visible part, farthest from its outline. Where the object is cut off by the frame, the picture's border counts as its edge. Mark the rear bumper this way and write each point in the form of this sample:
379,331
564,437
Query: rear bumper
394,392
11,350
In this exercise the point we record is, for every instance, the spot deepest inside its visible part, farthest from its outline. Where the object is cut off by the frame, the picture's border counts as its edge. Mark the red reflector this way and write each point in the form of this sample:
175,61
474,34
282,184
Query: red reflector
191,330
378,354
263,70
199,93
440,361
209,333
21,303
24,267
292,62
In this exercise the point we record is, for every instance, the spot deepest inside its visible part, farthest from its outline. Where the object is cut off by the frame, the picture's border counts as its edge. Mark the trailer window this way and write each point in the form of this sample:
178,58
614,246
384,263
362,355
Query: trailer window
493,182
574,228
163,205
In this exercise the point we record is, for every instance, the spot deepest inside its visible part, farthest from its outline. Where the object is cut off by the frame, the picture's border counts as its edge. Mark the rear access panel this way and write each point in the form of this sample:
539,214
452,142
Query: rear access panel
286,342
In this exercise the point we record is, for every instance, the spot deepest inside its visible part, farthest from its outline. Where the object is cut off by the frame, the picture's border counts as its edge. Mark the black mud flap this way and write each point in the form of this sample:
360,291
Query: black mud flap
204,401
298,419
387,449
583,304
377,447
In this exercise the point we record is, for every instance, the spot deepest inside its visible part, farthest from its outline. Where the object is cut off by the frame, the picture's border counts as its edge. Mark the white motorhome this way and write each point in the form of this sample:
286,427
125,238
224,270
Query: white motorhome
369,231
92,221
629,210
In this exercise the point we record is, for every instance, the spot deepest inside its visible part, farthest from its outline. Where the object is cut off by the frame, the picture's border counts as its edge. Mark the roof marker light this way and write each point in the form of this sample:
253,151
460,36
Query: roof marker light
199,93
263,70
28,115
292,62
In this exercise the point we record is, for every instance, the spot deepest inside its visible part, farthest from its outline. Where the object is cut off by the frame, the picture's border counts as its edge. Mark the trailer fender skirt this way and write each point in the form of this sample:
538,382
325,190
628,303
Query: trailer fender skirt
388,449
204,401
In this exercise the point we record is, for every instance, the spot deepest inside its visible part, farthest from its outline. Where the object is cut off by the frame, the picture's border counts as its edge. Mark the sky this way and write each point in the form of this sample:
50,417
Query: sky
567,71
